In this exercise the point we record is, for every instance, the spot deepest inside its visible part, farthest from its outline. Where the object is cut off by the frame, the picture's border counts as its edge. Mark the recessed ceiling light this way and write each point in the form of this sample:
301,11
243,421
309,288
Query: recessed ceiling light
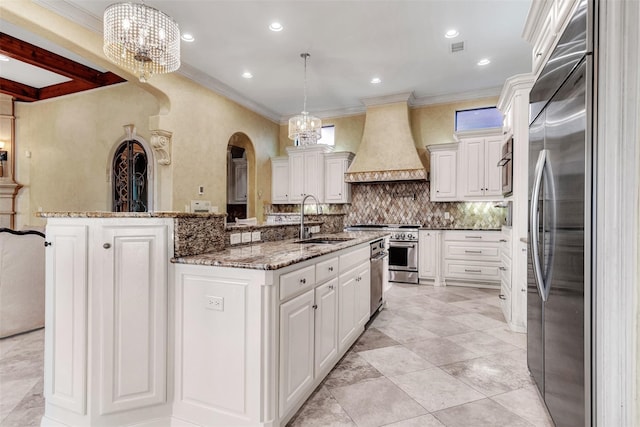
451,34
4,58
376,80
484,61
275,26
187,37
247,75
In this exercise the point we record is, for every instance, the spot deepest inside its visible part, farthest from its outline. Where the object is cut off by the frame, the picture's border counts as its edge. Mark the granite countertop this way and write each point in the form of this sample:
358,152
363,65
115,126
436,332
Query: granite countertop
241,227
105,214
458,229
278,254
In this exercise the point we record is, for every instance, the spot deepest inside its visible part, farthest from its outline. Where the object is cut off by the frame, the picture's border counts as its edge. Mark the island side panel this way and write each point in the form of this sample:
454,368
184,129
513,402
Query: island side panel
221,345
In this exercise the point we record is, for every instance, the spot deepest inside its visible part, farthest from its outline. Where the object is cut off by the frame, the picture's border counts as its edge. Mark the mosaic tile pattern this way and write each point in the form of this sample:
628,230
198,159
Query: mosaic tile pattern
389,175
409,203
310,208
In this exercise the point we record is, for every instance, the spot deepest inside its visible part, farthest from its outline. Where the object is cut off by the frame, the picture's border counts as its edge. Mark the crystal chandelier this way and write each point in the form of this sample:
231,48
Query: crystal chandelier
303,128
142,39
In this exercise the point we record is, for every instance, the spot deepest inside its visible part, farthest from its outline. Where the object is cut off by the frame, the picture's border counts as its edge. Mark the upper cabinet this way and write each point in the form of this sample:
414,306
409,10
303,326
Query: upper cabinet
306,172
444,167
314,170
480,176
545,23
336,190
279,180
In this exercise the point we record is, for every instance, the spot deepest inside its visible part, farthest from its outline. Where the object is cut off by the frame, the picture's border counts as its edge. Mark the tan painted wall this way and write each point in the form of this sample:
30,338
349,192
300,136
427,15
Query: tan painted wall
70,139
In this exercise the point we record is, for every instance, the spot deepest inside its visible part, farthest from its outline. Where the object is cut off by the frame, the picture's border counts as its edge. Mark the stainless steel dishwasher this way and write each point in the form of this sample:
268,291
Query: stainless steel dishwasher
378,255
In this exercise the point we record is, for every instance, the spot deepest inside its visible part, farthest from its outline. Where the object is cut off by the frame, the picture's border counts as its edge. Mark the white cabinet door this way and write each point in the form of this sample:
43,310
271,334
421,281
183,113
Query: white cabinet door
443,175
280,180
473,167
65,382
363,294
336,190
326,326
428,254
296,177
492,172
347,295
296,349
314,175
240,186
132,287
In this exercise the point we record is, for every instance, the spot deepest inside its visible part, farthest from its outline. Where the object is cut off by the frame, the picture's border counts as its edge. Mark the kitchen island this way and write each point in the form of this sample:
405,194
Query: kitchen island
240,336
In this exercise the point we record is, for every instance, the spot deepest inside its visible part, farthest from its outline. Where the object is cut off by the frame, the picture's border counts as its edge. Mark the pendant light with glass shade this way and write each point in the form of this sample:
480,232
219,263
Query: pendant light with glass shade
303,128
142,39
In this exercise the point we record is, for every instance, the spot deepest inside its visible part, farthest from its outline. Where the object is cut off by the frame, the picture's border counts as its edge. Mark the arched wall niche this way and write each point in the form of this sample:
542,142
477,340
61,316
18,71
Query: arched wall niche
241,140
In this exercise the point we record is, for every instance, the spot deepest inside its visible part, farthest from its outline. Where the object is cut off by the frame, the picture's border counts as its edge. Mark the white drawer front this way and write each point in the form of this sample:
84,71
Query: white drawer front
472,236
297,281
471,251
326,269
472,271
354,258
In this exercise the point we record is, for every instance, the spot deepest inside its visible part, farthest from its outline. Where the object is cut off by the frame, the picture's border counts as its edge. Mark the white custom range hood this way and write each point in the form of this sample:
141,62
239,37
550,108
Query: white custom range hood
387,151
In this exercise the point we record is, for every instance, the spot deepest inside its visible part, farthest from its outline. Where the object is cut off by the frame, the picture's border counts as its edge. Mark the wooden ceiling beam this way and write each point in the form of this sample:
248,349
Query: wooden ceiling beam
19,91
65,88
50,61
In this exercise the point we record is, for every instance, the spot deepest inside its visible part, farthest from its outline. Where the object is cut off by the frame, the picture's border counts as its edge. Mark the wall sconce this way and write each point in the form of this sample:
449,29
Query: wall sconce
3,158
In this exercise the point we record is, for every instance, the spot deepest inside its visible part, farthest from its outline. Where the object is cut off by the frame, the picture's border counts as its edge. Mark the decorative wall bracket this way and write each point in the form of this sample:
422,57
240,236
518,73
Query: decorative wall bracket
161,143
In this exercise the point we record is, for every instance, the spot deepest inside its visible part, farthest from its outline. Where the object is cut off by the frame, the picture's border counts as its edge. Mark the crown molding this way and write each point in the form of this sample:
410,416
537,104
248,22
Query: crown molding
73,13
455,97
388,99
513,84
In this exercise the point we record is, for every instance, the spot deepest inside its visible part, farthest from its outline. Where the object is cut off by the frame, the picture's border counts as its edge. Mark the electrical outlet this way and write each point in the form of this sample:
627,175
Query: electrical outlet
214,303
235,238
255,236
246,237
446,215
316,229
201,189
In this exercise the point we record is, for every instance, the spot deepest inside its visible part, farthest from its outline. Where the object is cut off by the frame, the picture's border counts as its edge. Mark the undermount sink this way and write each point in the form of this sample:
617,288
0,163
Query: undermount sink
324,240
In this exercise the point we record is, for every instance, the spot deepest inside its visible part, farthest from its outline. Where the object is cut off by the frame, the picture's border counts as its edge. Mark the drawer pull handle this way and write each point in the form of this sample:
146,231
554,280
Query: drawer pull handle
47,244
315,306
466,251
330,268
502,297
473,237
468,270
106,245
503,240
303,281
502,268
331,287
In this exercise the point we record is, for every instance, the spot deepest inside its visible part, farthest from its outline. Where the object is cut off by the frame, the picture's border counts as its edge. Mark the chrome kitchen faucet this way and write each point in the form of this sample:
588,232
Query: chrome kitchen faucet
304,232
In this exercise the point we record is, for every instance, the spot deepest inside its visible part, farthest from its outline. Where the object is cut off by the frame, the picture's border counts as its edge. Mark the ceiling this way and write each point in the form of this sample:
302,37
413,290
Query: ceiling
400,41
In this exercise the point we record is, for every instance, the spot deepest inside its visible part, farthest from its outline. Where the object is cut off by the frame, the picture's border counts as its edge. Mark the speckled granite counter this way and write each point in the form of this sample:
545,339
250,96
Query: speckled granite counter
105,214
279,254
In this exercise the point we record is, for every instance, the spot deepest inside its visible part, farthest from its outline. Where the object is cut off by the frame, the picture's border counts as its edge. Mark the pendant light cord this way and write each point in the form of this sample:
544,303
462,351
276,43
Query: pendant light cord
304,105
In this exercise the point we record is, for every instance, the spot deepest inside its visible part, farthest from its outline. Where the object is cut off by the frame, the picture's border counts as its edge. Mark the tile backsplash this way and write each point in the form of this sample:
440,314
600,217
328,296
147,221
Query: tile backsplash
409,203
406,202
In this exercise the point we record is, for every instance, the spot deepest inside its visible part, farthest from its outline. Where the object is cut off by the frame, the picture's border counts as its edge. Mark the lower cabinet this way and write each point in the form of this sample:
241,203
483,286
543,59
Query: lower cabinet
354,303
296,348
428,264
106,319
326,326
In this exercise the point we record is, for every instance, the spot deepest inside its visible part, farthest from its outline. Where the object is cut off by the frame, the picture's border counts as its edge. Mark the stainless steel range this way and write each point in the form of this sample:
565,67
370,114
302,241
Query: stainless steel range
403,249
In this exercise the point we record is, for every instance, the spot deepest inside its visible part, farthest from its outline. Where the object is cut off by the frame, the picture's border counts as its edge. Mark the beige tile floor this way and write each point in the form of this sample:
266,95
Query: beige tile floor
433,357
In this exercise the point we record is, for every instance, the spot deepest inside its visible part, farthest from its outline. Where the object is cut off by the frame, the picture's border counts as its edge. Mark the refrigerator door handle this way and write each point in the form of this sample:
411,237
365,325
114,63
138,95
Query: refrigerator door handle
534,223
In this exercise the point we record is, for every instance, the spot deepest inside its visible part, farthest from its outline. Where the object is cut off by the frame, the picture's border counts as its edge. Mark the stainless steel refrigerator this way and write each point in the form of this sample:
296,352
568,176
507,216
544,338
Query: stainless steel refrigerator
560,201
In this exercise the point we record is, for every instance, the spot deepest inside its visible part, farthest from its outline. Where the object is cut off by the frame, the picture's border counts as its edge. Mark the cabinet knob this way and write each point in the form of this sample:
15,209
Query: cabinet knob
501,296
315,306
303,281
502,268
330,268
106,245
47,244
331,287
503,240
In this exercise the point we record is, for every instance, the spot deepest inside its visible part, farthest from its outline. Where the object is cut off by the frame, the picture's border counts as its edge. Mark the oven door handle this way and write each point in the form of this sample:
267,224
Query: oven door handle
402,245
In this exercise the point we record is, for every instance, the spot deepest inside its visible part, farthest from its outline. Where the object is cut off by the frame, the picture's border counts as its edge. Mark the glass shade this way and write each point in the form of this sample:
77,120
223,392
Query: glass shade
305,129
142,39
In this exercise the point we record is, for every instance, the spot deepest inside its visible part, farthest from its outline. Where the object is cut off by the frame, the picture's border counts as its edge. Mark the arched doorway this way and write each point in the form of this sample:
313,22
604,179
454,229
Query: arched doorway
241,193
